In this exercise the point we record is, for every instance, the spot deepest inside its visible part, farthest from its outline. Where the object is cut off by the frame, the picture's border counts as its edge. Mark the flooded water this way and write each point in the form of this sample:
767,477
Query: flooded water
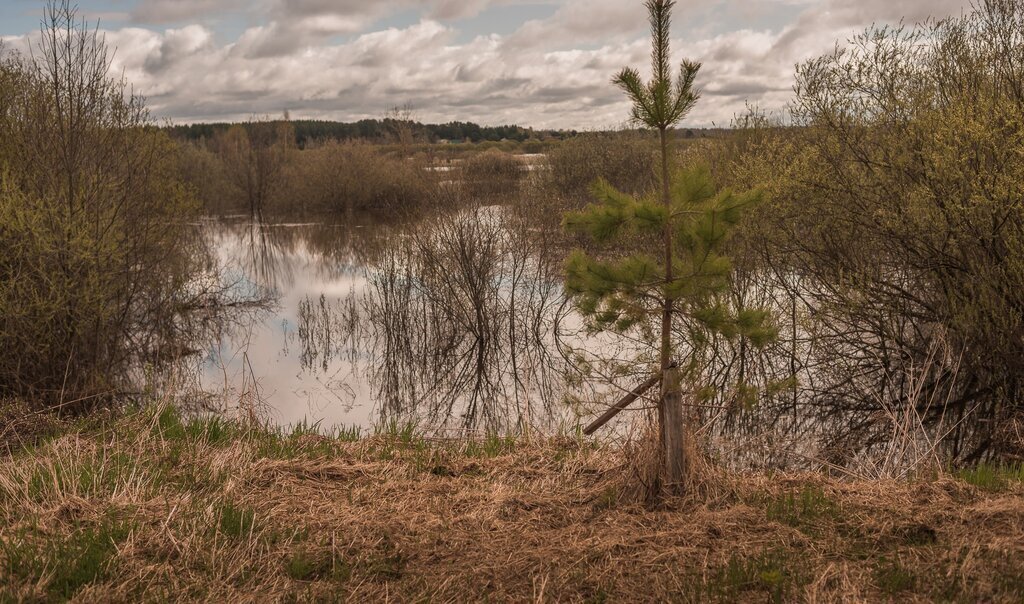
457,324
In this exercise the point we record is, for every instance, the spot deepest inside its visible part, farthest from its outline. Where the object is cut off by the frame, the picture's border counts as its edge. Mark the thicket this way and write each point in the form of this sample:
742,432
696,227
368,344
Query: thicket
94,256
313,132
894,238
354,176
493,173
254,169
627,160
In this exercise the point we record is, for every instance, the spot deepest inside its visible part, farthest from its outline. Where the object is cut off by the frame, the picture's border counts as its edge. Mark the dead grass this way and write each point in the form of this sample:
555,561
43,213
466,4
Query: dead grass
151,507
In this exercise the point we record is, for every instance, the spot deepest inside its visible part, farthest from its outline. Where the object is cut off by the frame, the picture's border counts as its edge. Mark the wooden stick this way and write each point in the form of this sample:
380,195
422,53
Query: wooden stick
622,404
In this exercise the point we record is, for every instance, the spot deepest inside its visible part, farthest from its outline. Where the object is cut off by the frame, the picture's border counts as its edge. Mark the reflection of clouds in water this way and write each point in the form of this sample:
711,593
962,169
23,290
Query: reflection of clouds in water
459,322
468,343
298,261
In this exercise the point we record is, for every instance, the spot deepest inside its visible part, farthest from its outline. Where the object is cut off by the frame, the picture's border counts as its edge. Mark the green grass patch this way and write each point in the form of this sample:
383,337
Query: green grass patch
804,508
307,565
992,477
85,476
493,445
169,424
892,578
67,564
236,521
303,440
773,574
404,433
213,430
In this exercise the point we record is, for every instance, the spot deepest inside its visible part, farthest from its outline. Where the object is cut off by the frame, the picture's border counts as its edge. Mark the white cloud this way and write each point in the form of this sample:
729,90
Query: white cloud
552,72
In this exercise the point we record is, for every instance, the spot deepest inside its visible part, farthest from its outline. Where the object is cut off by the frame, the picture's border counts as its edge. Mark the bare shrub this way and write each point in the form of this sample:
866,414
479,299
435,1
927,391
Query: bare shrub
93,253
461,314
492,173
627,160
205,173
254,156
355,176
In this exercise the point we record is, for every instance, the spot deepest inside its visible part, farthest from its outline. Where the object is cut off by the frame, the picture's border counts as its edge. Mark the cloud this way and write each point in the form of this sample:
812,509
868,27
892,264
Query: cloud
324,59
178,46
457,9
582,21
174,11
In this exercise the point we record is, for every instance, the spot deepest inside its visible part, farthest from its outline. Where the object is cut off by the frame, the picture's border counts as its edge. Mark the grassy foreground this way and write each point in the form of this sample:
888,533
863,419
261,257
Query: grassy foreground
148,507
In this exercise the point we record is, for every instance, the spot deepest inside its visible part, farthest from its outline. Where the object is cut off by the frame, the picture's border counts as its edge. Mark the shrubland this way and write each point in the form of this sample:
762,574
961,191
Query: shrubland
94,252
887,251
627,160
892,236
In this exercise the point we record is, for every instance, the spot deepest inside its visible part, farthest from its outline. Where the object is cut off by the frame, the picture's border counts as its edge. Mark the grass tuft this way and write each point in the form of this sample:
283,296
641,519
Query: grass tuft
236,521
992,477
803,508
893,578
310,565
64,565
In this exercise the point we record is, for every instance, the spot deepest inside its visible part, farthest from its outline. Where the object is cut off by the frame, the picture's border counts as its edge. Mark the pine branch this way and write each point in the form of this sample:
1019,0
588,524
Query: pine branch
643,111
660,12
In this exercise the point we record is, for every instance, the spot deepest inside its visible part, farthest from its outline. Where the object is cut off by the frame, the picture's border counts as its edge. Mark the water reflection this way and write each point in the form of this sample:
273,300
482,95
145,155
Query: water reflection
459,323
449,323
463,315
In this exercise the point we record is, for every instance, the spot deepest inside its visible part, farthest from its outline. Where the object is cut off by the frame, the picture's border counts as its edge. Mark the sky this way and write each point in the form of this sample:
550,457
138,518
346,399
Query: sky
545,64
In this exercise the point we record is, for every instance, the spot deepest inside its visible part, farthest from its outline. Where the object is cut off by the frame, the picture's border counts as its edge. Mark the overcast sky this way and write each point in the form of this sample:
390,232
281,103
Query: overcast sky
534,63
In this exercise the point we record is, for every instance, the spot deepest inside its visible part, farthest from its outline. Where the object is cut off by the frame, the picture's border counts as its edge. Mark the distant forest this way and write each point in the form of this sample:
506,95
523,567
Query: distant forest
380,130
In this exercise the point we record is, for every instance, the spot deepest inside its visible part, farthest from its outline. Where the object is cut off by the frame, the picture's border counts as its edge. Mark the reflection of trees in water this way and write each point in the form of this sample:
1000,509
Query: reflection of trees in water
461,323
329,331
269,253
870,383
842,388
458,320
218,308
462,314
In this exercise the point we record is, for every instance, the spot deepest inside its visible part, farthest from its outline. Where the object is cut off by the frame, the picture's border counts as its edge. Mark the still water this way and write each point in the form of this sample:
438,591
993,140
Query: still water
458,324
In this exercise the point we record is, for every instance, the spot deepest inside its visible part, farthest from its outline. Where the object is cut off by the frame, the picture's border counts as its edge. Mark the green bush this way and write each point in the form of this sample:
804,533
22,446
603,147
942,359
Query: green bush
894,234
94,251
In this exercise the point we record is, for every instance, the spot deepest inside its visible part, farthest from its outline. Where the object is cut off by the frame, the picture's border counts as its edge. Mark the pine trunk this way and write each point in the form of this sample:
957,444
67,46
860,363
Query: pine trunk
670,412
675,433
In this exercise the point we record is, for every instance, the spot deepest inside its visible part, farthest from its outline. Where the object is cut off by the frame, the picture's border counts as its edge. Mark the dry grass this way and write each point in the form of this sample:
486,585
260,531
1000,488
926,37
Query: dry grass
148,507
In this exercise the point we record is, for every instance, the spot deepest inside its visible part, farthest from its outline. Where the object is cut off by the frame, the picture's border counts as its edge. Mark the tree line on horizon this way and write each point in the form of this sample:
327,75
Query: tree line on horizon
381,130
385,130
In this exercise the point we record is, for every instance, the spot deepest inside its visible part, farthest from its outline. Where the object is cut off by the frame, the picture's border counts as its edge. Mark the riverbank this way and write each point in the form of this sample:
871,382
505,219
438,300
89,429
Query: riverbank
146,506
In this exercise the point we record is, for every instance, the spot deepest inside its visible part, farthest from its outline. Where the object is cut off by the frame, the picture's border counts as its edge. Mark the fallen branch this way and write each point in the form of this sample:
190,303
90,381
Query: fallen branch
623,403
